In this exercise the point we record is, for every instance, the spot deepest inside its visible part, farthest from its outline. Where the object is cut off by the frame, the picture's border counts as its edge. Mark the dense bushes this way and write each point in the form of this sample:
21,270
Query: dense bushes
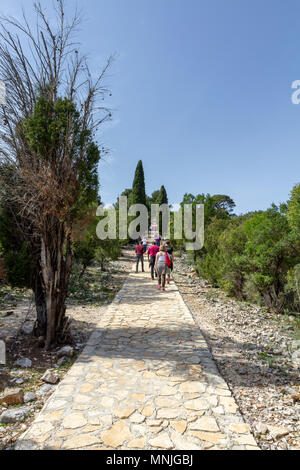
256,256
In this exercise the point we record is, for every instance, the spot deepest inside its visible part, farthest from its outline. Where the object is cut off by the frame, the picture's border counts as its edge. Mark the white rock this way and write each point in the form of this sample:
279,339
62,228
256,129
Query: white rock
30,396
50,377
65,351
261,428
45,390
24,362
27,329
14,415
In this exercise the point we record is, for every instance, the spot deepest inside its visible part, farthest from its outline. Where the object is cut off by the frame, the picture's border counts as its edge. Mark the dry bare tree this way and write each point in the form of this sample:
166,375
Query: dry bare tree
48,158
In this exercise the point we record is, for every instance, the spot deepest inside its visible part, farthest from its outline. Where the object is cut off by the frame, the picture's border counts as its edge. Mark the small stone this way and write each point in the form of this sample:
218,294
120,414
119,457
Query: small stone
50,377
45,390
19,381
261,428
27,329
24,362
61,361
162,441
14,415
30,396
66,351
276,432
13,396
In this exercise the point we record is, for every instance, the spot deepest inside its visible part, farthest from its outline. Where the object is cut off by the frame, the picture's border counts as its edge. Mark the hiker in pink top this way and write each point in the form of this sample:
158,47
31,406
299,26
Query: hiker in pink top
152,252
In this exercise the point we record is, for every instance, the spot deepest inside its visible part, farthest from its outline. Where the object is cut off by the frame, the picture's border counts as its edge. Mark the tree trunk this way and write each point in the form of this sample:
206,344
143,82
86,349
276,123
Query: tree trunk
56,264
40,327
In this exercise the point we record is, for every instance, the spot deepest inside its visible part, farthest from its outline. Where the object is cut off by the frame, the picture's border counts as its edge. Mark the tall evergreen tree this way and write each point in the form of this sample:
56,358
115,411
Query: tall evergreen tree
138,187
163,197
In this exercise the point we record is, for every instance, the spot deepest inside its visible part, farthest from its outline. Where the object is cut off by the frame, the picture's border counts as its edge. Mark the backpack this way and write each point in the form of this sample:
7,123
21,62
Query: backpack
168,260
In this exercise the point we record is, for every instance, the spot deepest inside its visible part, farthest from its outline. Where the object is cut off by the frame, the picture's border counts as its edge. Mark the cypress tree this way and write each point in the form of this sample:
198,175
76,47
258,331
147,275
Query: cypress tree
138,187
163,197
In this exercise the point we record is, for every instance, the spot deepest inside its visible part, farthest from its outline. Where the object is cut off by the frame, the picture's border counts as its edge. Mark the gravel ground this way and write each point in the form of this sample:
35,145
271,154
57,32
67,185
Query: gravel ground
256,353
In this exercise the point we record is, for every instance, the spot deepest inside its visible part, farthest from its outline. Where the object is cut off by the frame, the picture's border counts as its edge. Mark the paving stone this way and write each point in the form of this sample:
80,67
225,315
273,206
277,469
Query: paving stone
179,426
137,418
125,413
229,404
138,443
147,411
205,423
162,442
79,442
182,443
163,402
213,437
246,440
192,387
240,428
168,413
117,435
196,404
74,421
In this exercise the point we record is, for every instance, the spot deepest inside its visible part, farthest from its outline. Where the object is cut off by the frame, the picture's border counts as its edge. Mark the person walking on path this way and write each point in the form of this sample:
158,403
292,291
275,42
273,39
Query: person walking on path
170,252
145,244
161,267
139,250
152,252
157,240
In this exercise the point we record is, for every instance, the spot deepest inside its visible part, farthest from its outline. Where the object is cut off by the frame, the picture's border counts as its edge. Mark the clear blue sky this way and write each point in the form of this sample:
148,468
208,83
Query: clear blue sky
201,93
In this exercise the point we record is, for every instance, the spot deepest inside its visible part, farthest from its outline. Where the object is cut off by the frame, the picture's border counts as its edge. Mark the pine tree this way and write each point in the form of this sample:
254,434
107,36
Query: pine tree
138,187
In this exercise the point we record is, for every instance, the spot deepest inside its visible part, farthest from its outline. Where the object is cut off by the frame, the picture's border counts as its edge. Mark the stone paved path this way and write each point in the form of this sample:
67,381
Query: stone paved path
146,380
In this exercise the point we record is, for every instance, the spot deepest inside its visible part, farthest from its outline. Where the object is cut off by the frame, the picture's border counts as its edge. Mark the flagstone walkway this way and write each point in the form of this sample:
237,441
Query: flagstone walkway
146,380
